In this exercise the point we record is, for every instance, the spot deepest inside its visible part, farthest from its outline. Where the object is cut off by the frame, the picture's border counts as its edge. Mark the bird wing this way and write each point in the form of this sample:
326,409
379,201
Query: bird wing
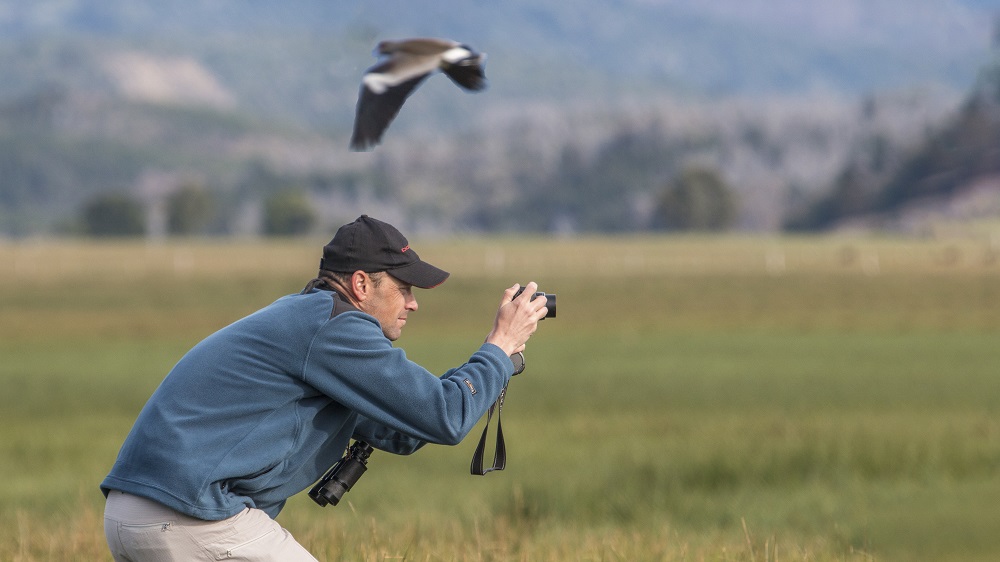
467,73
420,46
386,85
375,111
398,69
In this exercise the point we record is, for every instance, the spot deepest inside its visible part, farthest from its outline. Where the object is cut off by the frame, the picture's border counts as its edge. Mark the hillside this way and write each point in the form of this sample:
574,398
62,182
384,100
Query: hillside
716,47
954,173
137,96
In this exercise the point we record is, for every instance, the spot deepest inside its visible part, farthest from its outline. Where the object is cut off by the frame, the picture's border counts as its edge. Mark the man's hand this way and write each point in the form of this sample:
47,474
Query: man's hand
517,319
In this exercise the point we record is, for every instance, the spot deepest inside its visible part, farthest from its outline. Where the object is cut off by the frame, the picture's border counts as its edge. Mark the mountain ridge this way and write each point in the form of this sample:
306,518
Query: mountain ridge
716,47
103,93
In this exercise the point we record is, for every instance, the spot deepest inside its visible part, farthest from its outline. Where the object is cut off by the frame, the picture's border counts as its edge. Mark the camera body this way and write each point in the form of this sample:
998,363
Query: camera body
342,476
550,301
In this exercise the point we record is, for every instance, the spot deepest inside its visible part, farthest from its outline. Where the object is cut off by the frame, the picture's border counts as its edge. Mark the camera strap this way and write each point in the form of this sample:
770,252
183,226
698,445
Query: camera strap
500,453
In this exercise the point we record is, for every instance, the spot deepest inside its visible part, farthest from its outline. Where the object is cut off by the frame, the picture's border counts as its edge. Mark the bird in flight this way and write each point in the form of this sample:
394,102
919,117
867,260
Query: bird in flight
405,64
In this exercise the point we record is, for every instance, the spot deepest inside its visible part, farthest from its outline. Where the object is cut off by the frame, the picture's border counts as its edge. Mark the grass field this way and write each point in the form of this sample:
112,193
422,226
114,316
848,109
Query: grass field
696,398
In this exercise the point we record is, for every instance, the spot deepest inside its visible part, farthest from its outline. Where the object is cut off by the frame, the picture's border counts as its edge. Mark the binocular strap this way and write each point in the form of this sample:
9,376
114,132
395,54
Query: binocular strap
500,454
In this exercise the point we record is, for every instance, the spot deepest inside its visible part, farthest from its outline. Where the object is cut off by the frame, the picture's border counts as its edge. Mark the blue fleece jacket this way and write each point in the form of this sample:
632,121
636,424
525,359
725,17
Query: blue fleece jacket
257,412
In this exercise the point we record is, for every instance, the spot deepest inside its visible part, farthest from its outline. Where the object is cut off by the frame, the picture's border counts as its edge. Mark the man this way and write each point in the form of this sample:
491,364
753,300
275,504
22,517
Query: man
257,411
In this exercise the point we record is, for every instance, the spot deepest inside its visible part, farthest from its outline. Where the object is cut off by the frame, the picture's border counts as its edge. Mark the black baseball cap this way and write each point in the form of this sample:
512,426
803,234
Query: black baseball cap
371,245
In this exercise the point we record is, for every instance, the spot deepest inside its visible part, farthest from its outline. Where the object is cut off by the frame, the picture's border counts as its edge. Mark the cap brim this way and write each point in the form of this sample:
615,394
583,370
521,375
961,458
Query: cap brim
420,274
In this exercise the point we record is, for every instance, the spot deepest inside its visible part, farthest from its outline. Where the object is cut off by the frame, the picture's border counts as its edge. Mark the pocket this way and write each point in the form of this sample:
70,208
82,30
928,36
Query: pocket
243,549
251,530
139,539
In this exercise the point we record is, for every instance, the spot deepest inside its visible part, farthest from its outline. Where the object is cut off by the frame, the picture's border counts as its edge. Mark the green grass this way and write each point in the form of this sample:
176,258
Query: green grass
692,401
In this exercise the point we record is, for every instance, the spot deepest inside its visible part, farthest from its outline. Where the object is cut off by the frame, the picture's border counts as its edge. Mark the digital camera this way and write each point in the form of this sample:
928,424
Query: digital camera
550,301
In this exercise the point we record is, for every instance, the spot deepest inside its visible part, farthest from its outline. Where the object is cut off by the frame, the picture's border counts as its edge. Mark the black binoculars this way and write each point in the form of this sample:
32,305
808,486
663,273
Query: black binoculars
342,476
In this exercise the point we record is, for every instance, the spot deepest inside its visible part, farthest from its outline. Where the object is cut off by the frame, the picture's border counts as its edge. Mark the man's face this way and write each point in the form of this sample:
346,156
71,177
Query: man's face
390,303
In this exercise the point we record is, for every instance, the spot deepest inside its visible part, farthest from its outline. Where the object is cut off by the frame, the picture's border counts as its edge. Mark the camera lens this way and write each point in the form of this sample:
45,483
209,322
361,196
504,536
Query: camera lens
550,304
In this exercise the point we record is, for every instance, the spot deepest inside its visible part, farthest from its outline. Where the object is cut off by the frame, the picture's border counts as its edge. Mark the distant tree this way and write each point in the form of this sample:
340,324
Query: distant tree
114,214
288,213
189,210
596,192
698,199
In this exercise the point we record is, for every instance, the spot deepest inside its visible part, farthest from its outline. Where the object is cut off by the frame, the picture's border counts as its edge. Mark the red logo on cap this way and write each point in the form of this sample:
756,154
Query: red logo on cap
405,248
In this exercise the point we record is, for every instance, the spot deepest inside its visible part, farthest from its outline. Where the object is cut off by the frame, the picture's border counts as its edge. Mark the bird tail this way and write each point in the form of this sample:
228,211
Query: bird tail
467,73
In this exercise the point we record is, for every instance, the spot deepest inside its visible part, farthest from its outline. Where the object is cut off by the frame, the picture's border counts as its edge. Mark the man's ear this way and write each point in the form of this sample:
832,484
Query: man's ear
361,286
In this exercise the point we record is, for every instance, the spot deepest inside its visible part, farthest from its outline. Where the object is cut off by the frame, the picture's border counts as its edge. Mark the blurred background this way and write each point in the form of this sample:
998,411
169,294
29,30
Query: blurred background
232,117
810,369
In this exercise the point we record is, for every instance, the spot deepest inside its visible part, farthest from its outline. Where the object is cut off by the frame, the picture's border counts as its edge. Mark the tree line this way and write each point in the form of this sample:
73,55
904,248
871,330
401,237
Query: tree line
191,210
698,199
665,167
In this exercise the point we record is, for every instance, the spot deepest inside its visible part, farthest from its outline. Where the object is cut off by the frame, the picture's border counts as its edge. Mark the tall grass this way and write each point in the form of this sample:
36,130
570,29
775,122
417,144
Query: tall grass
695,399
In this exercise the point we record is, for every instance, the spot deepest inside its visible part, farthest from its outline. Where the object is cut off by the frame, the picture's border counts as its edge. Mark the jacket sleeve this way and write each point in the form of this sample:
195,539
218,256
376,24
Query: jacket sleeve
351,361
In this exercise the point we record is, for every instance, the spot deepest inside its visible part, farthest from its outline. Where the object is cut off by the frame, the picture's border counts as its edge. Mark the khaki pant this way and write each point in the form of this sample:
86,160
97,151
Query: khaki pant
138,530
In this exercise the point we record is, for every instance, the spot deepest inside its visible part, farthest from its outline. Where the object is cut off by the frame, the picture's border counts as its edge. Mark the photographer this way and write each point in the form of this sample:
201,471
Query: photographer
257,411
